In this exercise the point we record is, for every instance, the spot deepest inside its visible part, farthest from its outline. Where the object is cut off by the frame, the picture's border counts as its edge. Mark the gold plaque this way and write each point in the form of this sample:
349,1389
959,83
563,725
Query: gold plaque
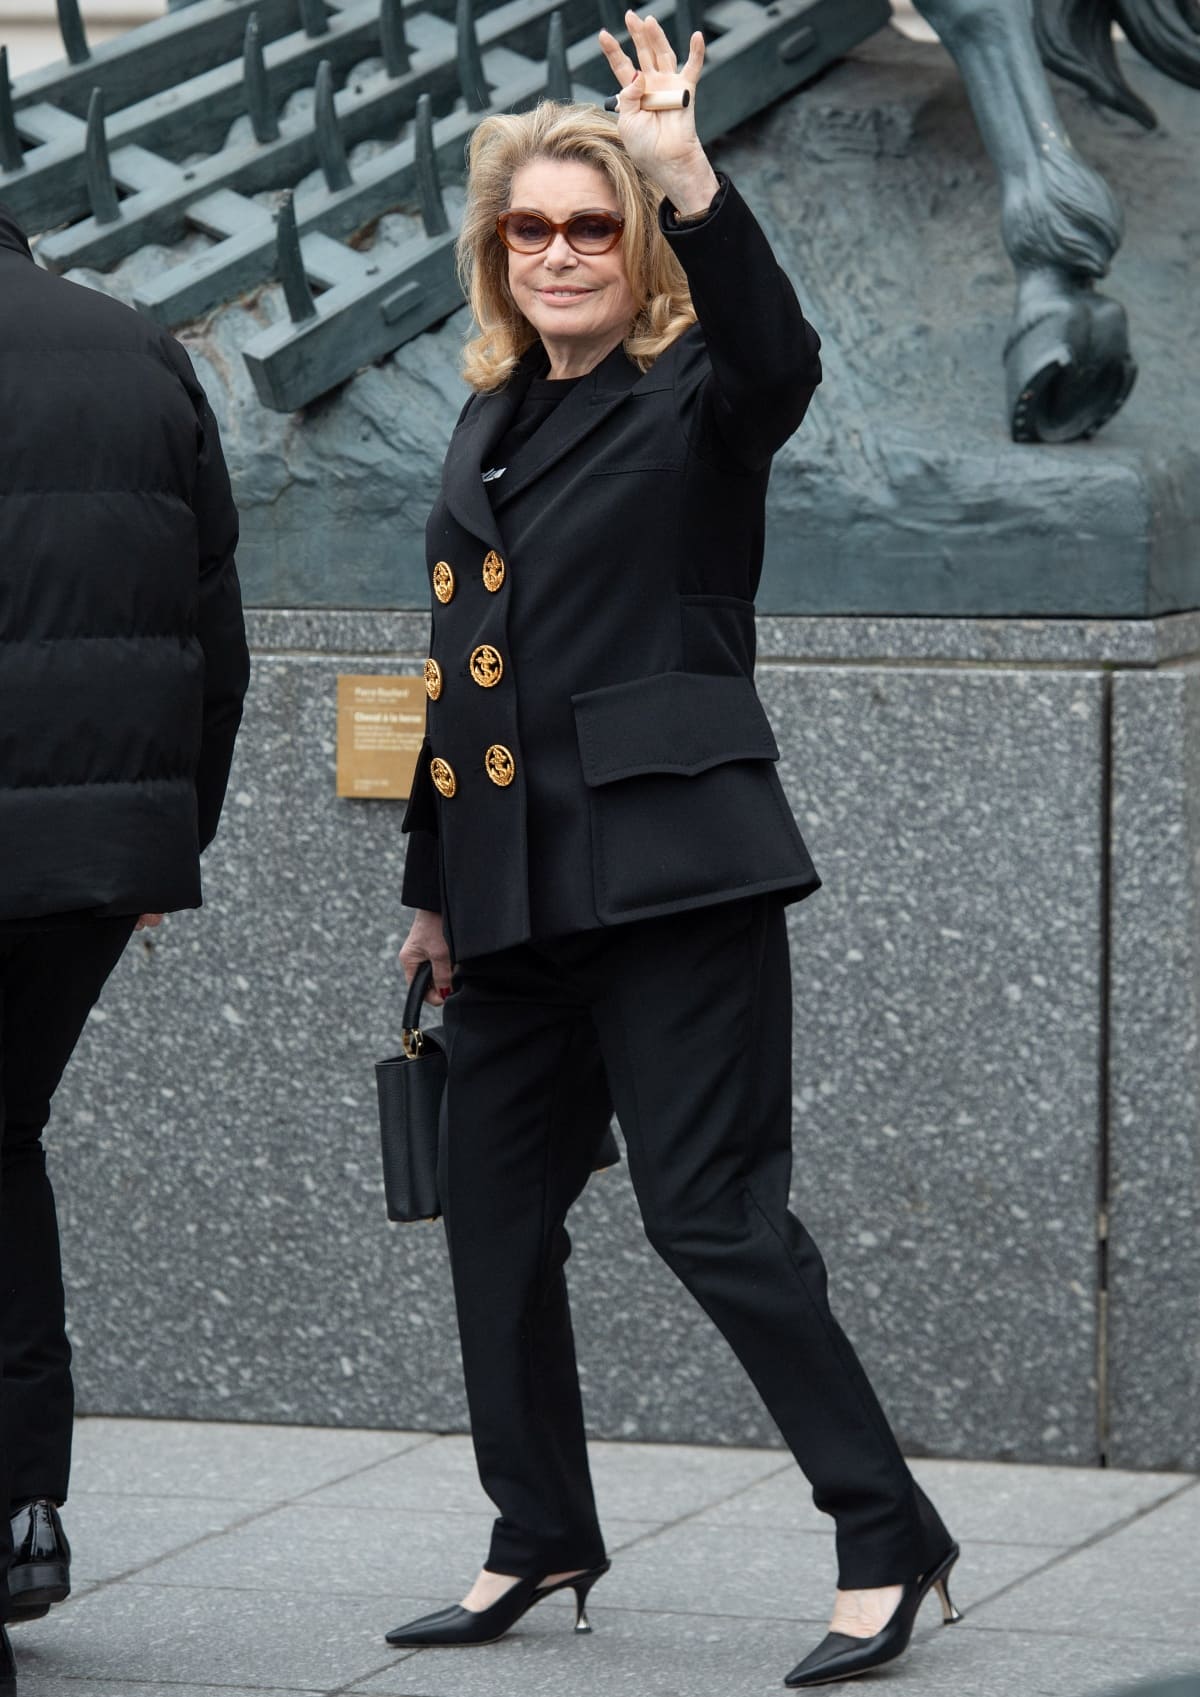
493,571
500,766
443,777
487,668
433,679
380,729
443,581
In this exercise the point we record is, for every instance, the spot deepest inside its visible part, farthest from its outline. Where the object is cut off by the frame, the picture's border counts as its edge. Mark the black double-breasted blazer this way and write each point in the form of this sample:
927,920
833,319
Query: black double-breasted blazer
596,750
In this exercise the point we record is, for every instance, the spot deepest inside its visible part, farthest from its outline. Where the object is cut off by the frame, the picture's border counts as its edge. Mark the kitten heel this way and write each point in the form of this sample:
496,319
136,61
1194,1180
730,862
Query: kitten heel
581,1587
949,1613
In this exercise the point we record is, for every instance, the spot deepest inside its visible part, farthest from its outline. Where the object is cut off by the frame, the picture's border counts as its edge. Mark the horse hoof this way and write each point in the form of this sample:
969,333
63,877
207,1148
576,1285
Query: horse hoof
1069,370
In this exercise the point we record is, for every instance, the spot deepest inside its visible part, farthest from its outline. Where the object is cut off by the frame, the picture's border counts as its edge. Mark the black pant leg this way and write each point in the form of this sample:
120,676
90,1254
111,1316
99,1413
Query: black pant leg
51,981
694,1016
526,1104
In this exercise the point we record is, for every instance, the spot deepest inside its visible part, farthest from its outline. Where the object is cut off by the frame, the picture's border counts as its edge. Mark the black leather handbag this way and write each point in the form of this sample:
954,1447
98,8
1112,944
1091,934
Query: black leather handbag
410,1087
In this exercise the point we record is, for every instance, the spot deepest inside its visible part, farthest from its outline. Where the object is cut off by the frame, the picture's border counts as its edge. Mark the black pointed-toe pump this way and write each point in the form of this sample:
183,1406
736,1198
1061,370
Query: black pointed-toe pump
839,1656
456,1625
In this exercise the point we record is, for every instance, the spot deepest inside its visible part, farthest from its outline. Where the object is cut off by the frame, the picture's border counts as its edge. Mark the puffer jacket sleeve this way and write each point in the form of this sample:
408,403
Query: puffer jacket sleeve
220,626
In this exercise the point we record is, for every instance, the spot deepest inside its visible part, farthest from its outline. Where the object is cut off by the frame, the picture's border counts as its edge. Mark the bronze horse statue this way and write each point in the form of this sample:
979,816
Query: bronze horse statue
1068,361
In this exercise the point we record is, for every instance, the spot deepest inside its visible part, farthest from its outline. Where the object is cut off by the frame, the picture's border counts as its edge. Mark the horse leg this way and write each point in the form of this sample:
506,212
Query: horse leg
1067,358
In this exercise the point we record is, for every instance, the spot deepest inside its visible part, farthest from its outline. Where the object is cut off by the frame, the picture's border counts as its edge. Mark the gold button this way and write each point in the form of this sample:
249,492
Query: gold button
443,777
487,668
493,570
443,581
499,764
433,679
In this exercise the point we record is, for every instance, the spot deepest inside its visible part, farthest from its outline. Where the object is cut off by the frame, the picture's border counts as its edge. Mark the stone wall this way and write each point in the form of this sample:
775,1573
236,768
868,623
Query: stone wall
1000,997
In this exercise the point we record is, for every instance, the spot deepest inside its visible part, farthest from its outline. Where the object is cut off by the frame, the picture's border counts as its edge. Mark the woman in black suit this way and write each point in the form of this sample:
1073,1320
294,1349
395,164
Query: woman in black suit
599,839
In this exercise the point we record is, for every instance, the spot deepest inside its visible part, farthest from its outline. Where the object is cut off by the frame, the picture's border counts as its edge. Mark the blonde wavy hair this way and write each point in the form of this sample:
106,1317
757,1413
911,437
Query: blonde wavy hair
502,146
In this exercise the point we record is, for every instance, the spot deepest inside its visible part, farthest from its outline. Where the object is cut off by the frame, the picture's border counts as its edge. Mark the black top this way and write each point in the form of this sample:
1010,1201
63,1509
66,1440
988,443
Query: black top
541,398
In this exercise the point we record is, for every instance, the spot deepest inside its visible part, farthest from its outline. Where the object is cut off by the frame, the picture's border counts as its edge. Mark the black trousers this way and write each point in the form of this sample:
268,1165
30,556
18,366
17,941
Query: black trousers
691,1016
50,979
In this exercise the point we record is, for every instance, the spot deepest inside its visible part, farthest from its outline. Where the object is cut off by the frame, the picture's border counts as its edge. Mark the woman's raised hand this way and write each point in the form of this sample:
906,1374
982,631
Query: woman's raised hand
662,144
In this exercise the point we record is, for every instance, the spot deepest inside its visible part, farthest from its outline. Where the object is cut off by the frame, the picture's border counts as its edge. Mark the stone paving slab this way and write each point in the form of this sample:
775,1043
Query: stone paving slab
978,1500
1147,1576
113,1536
39,1685
629,1654
672,1656
1177,1521
1034,1505
788,1575
164,1634
184,1458
667,1481
963,1663
440,1476
632,1481
346,1551
234,1561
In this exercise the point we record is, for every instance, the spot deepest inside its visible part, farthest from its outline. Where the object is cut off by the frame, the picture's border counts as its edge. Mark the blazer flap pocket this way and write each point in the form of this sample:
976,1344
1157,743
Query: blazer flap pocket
680,722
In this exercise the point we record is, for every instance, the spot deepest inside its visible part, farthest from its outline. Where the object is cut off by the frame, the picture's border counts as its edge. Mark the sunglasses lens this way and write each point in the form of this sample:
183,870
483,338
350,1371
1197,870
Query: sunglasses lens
593,232
587,232
526,232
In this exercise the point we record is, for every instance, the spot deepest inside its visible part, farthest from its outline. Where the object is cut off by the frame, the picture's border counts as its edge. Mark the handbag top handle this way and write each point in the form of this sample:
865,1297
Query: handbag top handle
411,1038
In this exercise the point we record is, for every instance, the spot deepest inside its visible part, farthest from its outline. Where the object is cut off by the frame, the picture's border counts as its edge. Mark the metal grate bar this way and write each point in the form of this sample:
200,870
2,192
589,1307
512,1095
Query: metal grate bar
192,117
246,257
376,107
156,55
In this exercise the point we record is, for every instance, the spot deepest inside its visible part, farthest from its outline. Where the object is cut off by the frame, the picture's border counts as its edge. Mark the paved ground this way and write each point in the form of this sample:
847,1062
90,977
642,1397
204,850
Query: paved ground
227,1560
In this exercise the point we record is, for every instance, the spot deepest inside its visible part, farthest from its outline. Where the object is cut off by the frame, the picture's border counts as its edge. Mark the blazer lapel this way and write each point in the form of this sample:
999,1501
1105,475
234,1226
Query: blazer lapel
474,442
588,405
471,449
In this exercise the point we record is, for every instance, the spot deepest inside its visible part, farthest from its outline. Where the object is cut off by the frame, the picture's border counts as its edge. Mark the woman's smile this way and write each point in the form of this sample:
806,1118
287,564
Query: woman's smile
563,293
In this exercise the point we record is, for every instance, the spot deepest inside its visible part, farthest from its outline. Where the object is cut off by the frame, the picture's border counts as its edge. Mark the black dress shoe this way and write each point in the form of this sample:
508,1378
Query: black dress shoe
41,1566
456,1625
8,1667
839,1656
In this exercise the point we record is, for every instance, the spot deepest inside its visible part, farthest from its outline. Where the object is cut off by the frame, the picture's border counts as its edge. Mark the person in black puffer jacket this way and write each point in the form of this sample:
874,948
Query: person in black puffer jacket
123,667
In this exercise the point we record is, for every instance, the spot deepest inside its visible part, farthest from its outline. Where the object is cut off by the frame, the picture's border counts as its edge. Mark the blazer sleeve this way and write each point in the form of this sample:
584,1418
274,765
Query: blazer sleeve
422,885
763,362
220,625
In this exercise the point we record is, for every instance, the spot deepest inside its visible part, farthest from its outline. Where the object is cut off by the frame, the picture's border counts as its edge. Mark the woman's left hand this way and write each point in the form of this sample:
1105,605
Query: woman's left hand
662,144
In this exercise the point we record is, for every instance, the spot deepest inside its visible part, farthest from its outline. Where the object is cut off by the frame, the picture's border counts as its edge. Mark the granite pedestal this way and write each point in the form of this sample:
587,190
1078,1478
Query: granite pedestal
999,990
